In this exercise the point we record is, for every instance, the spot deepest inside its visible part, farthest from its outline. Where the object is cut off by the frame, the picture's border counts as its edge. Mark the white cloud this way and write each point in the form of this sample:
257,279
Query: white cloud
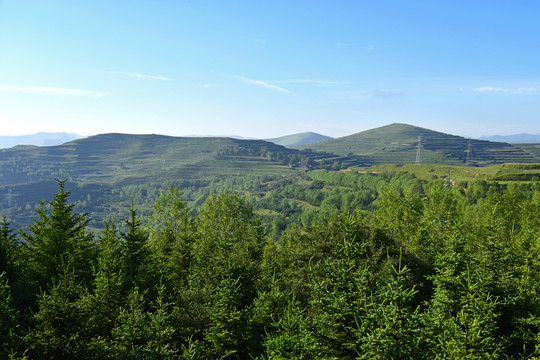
340,44
264,84
142,76
490,88
518,91
309,81
52,90
524,90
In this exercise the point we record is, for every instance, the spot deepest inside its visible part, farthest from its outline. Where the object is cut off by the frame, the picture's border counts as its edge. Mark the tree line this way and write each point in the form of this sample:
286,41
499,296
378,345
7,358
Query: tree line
427,272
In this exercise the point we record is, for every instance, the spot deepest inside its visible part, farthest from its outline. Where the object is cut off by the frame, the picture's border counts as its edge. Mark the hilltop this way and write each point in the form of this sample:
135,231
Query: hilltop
115,169
110,172
398,144
300,139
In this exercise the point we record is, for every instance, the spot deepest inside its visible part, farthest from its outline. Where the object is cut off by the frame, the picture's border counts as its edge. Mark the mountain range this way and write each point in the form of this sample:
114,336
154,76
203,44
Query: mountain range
300,139
38,139
515,139
116,170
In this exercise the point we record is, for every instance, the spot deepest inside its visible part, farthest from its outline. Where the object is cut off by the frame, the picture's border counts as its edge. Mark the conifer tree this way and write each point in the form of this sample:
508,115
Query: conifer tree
58,240
131,334
59,321
462,317
392,327
290,337
10,340
171,236
136,254
104,303
225,333
8,250
160,344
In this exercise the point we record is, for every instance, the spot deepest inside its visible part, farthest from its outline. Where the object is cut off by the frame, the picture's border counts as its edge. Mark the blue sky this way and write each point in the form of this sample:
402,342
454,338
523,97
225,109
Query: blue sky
268,68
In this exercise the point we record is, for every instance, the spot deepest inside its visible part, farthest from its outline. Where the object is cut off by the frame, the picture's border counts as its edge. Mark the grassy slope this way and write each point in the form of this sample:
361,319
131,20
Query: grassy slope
101,167
397,144
113,158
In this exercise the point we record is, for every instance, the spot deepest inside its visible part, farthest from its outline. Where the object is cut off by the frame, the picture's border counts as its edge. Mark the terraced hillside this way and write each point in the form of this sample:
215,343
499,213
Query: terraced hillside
118,169
398,143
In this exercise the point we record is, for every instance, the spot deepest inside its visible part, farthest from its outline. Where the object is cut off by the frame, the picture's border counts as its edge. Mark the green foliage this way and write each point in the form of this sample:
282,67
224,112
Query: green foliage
171,236
59,321
57,240
104,303
136,253
9,327
354,265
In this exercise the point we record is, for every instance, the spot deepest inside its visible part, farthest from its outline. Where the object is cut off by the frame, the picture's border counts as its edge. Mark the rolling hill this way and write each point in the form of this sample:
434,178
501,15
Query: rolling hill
398,143
117,168
300,139
110,172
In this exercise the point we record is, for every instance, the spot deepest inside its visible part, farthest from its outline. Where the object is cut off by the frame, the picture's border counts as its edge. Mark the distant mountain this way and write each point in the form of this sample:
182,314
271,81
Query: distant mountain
300,139
39,139
514,139
398,144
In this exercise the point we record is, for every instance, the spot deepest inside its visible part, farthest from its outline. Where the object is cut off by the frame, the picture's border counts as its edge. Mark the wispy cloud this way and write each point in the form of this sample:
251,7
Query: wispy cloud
521,90
261,83
342,44
52,90
309,82
142,76
524,90
490,88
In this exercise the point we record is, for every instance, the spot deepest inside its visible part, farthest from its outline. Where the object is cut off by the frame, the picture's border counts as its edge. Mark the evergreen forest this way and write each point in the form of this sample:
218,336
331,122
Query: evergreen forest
386,267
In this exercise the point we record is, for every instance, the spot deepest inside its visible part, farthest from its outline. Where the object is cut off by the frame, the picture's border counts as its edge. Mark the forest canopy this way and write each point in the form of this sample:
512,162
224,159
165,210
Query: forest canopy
385,268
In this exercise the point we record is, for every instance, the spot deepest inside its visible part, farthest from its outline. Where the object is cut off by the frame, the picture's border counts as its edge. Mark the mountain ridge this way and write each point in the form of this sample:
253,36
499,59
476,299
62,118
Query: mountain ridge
398,143
299,139
38,139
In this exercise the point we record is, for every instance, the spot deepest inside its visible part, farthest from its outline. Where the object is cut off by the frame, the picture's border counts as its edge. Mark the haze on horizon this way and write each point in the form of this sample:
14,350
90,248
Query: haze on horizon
268,69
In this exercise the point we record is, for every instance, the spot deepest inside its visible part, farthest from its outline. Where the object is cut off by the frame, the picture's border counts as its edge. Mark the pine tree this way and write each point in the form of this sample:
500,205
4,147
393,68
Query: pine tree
225,333
131,334
61,316
104,303
171,236
160,344
290,337
10,340
58,240
8,250
391,327
462,320
136,254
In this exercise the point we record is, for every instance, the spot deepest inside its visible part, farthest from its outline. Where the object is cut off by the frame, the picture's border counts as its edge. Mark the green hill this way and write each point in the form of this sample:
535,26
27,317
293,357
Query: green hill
398,144
112,170
300,139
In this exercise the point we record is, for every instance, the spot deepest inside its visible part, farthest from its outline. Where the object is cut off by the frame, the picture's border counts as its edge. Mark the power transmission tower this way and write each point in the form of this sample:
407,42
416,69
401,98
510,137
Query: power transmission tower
469,154
419,148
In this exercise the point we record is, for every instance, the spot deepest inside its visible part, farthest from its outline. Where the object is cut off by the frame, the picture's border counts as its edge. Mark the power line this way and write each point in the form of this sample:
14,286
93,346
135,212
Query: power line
469,154
419,148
